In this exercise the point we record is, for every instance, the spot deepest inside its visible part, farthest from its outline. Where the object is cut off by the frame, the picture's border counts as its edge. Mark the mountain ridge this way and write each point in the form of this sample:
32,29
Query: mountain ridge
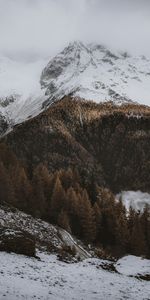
93,72
85,71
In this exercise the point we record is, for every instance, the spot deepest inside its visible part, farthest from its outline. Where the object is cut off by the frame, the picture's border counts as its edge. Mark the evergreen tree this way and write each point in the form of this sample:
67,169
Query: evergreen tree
22,189
107,204
98,220
87,218
47,180
38,202
72,201
58,200
121,231
137,238
6,187
122,234
66,177
145,225
72,207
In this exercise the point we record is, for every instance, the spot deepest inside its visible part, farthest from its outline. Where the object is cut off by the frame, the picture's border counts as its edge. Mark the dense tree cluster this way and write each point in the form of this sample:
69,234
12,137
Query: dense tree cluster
62,198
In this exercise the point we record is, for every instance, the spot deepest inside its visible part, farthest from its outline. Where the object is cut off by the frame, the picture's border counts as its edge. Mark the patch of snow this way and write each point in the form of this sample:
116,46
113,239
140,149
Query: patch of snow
133,265
135,199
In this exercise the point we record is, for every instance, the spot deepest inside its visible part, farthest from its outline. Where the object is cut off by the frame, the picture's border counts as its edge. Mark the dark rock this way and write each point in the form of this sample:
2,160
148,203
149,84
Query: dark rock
3,125
16,241
109,267
145,277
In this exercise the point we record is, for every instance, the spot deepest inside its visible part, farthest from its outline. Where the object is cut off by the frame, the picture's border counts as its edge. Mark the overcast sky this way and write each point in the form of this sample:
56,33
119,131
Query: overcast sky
43,27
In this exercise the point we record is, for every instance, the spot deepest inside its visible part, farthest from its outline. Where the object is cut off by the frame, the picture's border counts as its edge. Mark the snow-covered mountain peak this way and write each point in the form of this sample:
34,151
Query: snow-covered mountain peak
88,71
96,73
75,55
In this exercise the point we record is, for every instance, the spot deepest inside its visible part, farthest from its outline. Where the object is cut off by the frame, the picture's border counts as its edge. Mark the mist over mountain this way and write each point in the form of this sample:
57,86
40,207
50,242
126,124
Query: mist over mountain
43,28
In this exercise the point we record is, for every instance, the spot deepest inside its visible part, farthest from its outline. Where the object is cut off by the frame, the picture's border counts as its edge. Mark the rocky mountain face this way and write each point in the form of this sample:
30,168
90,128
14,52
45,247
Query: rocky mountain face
3,124
108,144
94,72
86,71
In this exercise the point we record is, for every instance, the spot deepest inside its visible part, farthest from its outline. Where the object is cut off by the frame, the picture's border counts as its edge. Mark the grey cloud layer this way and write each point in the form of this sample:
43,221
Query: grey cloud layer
43,27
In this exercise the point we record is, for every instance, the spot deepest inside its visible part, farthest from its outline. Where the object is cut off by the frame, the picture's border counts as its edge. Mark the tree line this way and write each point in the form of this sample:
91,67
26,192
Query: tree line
61,198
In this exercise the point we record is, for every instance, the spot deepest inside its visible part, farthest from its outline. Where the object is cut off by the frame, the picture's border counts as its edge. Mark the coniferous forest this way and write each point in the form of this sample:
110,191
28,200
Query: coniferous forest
63,198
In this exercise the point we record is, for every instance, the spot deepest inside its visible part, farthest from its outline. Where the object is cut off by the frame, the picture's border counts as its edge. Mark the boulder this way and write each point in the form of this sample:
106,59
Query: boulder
17,241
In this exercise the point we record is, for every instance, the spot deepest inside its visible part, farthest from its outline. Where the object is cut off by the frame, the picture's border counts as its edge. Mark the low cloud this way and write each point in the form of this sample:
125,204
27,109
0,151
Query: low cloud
40,28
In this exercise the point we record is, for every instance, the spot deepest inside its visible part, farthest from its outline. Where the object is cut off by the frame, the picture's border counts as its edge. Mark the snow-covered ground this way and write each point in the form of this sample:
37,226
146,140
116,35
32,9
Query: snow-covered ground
136,199
133,265
50,279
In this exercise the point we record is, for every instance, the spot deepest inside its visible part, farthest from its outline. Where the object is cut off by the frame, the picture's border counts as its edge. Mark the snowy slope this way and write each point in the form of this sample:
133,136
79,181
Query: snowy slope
133,265
86,71
94,72
48,278
20,91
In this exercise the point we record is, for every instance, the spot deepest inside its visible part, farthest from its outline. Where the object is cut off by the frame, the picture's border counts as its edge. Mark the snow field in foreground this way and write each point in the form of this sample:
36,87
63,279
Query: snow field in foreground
48,278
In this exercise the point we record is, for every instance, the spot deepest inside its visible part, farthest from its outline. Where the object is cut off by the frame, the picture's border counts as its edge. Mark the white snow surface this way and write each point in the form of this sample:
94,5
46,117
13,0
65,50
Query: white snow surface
91,72
50,279
47,278
135,199
133,265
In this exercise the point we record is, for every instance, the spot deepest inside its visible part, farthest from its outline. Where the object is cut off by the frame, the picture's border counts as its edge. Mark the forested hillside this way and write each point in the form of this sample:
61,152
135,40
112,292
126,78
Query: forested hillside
65,166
